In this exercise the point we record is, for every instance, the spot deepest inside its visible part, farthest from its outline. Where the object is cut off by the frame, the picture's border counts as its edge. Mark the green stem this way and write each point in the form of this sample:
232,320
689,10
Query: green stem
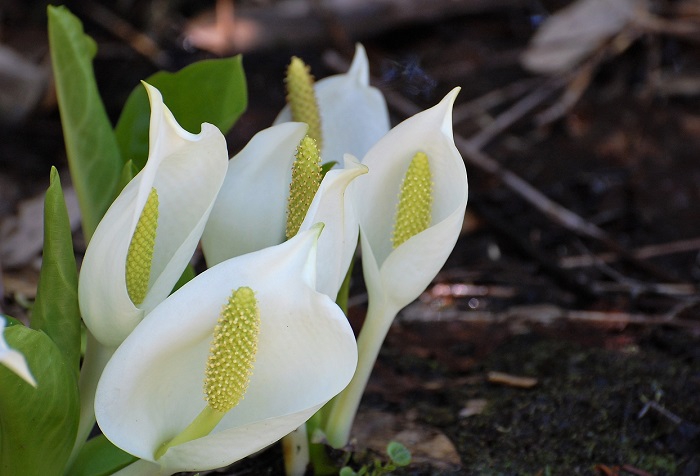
96,358
202,425
322,465
344,291
342,414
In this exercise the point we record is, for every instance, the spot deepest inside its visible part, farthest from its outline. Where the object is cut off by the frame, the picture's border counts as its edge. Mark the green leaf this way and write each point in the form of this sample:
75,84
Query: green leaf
11,321
398,453
327,166
93,153
211,91
187,275
128,173
56,310
344,292
99,457
37,425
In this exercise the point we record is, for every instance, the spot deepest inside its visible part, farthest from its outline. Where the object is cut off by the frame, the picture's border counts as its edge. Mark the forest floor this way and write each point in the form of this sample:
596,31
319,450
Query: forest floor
563,335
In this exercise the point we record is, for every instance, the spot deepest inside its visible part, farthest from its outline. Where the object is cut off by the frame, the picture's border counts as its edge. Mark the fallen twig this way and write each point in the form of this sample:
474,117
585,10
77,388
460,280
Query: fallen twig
543,314
634,287
295,23
479,105
651,404
644,252
575,282
634,471
653,24
554,211
511,380
515,112
663,289
580,79
473,155
138,41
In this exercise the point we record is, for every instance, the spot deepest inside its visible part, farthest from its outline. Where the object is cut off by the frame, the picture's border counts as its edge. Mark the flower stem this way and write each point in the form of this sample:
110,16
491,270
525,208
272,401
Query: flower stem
94,362
202,425
342,414
295,450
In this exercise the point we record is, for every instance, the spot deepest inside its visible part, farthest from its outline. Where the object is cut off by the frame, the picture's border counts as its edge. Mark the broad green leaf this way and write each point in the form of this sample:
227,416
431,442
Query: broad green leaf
37,425
56,310
93,153
212,91
99,457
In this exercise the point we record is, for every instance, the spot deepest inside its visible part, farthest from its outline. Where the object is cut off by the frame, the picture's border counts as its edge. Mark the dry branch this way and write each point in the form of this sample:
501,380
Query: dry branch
543,314
122,29
307,22
472,154
494,98
644,252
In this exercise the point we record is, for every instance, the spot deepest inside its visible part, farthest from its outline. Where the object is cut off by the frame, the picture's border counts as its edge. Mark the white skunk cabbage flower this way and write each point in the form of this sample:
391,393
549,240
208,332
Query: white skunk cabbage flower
353,114
410,207
251,211
400,263
148,235
266,347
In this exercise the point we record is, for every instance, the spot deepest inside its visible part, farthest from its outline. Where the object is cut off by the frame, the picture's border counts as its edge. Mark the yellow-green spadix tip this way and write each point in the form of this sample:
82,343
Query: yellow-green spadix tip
306,178
302,98
140,255
414,210
233,350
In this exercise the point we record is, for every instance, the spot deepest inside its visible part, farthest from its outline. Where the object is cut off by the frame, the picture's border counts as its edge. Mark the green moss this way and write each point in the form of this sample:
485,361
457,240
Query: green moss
583,412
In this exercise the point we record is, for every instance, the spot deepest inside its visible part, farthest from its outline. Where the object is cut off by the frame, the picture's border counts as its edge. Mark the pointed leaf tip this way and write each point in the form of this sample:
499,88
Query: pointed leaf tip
445,107
152,91
359,69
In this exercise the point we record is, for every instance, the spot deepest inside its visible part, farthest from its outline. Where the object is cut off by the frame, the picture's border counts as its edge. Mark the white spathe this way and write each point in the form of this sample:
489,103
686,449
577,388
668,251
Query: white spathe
395,277
401,274
333,205
353,114
187,171
152,388
250,212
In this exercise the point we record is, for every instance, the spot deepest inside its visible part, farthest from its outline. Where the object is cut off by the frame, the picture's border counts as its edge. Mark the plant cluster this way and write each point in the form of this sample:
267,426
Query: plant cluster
185,372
